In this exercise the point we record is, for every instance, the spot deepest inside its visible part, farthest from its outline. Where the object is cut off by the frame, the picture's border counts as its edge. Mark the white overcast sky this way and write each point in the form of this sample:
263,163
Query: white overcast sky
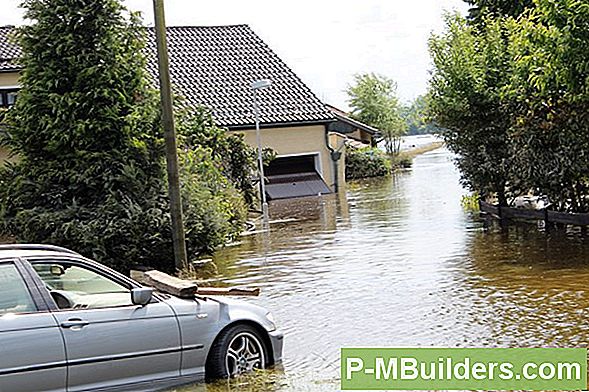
324,41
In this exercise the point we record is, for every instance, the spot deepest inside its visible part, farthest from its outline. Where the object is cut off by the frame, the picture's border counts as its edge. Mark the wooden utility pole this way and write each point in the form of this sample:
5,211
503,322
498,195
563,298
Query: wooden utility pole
170,136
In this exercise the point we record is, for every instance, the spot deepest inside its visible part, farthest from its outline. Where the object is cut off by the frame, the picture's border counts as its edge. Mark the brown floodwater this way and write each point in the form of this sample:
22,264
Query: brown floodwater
399,262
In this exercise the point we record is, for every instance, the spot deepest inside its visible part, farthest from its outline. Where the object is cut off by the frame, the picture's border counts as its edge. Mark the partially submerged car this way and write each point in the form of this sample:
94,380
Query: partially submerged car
68,323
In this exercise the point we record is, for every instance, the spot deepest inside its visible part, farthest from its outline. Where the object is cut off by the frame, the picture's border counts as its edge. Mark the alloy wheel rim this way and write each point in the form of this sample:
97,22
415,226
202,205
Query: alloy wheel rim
244,354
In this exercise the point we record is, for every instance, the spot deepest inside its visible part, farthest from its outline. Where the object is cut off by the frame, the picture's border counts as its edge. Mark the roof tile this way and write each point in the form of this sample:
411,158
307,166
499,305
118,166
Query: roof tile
9,51
214,67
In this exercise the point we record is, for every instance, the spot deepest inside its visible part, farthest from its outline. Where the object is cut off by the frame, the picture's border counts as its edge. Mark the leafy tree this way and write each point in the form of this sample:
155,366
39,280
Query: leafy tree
373,99
415,116
480,9
514,95
465,99
90,173
550,84
84,128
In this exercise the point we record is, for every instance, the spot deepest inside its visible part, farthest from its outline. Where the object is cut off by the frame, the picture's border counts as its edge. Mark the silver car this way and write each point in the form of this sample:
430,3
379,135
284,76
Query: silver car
71,324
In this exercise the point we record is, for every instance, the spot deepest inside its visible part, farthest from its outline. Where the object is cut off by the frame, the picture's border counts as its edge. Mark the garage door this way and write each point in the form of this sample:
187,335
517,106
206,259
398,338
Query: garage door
290,177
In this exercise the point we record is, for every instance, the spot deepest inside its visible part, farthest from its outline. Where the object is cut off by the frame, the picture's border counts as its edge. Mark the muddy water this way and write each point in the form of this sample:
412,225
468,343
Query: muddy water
398,262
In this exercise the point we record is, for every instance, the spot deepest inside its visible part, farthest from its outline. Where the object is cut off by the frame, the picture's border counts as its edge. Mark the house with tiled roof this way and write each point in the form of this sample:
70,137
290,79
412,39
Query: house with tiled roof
9,74
214,67
9,69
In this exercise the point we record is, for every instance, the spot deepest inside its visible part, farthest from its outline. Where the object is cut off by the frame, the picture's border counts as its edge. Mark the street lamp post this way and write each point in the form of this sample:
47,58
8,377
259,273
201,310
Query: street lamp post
255,86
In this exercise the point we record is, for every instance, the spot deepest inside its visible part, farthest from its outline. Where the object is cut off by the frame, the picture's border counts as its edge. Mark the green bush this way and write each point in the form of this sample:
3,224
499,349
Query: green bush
237,159
90,174
402,160
214,210
367,162
470,202
123,230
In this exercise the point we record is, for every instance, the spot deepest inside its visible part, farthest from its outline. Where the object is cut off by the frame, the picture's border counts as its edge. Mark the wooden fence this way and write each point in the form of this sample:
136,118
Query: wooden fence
528,214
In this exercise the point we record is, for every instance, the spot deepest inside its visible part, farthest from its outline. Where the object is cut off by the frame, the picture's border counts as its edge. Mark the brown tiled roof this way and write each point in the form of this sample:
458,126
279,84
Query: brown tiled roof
9,51
214,67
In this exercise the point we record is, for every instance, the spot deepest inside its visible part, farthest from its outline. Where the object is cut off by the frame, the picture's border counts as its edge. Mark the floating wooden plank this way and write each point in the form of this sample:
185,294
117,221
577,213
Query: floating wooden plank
170,284
138,276
249,292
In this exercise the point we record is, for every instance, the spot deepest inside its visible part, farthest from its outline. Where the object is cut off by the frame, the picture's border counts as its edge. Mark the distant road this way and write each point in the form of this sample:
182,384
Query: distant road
417,141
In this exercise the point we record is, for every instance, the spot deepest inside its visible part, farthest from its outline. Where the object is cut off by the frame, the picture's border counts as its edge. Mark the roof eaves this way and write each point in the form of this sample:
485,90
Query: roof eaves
284,124
357,124
202,27
10,68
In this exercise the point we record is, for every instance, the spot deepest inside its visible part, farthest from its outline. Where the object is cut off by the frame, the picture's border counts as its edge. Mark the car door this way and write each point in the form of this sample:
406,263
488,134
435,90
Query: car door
110,342
32,352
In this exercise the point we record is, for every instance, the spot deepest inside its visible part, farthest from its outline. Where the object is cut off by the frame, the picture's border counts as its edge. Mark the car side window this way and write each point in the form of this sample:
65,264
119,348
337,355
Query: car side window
14,295
76,287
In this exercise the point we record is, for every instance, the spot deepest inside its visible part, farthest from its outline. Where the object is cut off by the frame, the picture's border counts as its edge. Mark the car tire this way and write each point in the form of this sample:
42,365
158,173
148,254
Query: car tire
238,350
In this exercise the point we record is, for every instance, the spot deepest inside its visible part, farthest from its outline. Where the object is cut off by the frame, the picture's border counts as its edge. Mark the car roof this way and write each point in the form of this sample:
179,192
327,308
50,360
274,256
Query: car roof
29,250
10,252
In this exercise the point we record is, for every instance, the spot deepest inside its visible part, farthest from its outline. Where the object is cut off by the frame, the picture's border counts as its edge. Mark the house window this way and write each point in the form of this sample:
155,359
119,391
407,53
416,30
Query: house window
8,97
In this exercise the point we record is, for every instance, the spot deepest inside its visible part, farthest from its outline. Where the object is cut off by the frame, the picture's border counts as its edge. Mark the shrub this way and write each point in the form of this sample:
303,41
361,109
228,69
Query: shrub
470,202
402,160
367,162
214,211
90,174
237,160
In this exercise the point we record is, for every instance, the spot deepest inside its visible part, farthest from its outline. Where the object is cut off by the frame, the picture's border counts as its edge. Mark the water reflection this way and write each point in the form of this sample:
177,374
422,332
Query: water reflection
400,263
529,286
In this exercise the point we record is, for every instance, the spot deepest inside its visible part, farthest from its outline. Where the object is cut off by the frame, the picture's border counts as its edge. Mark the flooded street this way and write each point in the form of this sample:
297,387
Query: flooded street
400,263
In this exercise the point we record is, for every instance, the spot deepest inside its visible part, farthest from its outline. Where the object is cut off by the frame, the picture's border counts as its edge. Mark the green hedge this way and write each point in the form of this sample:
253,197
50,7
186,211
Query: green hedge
367,162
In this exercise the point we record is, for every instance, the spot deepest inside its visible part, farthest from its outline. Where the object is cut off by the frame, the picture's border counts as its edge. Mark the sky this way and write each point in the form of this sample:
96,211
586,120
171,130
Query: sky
325,42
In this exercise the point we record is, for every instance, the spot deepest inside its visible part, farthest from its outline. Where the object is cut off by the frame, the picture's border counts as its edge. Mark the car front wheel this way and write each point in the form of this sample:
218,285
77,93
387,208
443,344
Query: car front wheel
239,350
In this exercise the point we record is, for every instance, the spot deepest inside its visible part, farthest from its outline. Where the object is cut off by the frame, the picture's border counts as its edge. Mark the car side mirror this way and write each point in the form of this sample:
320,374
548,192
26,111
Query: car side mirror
141,296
